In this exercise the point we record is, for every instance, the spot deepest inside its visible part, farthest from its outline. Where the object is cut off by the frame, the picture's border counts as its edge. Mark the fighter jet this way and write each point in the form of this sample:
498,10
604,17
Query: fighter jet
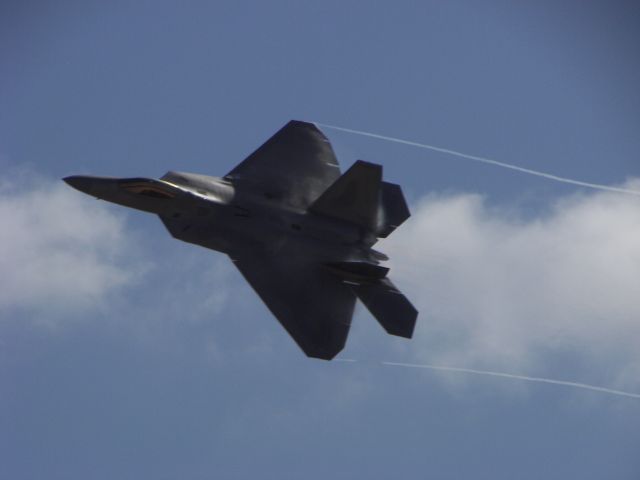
299,231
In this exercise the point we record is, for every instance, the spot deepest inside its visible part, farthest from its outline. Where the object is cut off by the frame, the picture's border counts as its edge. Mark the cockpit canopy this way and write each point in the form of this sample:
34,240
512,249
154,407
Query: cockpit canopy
202,184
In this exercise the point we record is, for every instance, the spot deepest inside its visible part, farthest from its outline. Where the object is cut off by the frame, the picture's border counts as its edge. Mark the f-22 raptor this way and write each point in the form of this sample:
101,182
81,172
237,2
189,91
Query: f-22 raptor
299,231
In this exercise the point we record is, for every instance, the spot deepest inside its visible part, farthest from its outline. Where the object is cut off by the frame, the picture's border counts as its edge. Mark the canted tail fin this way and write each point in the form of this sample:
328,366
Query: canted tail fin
354,197
393,209
361,197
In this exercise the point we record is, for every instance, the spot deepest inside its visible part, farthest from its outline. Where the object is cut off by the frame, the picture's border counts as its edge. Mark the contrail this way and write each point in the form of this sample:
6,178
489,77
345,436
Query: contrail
485,160
517,377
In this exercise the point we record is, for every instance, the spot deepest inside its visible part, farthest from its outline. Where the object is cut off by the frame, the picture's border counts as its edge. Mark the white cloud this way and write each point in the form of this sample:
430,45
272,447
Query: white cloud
59,251
496,290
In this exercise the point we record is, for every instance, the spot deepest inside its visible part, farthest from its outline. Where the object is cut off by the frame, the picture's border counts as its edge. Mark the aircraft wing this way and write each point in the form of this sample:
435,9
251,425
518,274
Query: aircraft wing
313,305
293,167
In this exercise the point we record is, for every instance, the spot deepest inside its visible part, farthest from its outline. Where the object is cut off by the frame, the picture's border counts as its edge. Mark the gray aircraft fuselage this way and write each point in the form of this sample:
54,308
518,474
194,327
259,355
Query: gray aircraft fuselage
211,212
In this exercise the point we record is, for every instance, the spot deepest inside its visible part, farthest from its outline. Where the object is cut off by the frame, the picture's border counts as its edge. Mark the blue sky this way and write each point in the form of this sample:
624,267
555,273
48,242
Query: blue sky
127,354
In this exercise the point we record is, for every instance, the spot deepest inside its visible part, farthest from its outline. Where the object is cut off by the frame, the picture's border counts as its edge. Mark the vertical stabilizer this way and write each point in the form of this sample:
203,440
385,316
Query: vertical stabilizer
354,197
393,209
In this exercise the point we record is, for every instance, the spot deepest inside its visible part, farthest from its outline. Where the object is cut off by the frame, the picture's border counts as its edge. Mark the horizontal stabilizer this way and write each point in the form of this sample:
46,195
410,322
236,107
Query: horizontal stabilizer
390,307
393,209
354,197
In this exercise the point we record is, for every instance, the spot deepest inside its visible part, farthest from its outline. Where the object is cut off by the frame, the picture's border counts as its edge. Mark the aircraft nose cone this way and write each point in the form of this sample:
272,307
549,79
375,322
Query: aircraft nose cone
79,182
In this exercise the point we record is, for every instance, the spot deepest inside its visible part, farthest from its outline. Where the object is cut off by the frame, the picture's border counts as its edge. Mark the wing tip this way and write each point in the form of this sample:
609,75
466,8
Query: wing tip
322,354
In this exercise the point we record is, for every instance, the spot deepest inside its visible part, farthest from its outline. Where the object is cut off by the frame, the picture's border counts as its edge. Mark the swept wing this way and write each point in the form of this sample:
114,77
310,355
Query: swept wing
311,303
293,167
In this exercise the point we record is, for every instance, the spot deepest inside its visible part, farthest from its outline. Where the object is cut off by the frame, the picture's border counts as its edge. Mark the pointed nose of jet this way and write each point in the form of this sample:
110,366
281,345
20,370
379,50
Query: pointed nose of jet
141,193
80,182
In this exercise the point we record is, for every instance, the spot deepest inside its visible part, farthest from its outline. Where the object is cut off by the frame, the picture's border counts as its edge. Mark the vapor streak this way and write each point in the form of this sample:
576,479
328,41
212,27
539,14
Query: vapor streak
516,377
486,160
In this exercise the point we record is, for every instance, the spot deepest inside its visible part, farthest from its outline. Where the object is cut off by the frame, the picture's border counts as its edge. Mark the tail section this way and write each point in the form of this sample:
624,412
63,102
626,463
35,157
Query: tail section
393,209
381,297
354,197
361,197
390,307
